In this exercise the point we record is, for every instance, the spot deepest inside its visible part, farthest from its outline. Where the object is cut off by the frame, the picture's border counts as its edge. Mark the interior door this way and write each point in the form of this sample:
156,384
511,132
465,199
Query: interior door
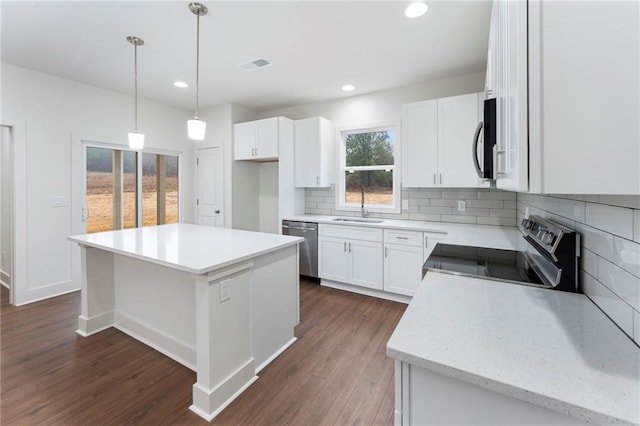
210,189
6,210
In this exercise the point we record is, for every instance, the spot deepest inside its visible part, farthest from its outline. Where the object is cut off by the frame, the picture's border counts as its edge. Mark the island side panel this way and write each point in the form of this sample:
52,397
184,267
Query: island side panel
275,304
225,366
97,291
155,304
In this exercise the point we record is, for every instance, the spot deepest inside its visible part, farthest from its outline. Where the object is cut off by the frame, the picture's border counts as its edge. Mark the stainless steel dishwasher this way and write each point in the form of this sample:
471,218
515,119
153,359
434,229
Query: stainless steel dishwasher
309,248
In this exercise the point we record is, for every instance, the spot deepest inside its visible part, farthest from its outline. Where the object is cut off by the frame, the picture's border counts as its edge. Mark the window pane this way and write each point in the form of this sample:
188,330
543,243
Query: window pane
370,148
129,189
159,189
172,189
99,190
374,186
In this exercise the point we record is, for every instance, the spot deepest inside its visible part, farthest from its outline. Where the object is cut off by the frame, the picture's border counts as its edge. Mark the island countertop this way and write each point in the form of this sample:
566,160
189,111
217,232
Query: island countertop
550,348
191,248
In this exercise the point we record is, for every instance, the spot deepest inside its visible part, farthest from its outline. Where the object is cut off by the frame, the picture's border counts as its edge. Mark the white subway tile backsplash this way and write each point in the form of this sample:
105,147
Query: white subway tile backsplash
616,220
459,219
472,212
590,262
631,201
502,212
636,225
571,209
425,217
626,254
497,195
592,198
419,201
425,194
435,210
460,195
510,204
490,204
621,282
597,241
612,305
501,221
444,203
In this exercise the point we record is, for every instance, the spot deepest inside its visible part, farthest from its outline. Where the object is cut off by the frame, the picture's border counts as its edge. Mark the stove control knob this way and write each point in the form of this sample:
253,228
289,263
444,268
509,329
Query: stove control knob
525,223
548,237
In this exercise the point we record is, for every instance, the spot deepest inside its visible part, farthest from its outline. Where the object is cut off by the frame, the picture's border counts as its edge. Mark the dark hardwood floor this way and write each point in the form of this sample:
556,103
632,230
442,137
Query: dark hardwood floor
337,372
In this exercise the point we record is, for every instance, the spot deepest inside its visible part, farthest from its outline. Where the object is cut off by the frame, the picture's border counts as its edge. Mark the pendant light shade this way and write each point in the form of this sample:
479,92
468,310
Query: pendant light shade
136,138
196,128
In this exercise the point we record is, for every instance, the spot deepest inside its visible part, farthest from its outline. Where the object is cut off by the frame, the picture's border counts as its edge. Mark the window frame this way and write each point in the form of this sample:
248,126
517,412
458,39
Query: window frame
87,143
341,160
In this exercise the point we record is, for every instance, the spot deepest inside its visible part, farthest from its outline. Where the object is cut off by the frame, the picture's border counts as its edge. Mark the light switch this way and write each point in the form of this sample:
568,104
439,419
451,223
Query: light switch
462,206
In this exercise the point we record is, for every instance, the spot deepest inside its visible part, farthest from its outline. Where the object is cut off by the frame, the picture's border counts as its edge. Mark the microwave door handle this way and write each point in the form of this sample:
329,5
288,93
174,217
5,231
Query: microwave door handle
476,138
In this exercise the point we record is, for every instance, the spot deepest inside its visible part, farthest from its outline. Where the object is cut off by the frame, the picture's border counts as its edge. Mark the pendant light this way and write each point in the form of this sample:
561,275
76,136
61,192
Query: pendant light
136,138
196,127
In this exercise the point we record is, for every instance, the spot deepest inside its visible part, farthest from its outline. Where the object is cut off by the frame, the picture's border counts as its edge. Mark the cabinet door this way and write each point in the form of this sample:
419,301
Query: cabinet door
430,241
457,122
365,264
333,259
267,138
420,144
244,140
402,268
307,152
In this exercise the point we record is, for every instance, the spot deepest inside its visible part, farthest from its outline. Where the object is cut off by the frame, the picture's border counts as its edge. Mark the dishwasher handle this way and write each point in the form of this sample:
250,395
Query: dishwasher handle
297,228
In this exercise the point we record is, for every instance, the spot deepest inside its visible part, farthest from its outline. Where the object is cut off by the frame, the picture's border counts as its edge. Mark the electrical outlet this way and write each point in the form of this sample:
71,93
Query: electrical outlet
224,291
405,204
462,206
526,212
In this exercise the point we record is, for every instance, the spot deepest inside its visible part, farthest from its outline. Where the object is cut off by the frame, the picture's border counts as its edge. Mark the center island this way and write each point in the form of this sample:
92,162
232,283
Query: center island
222,302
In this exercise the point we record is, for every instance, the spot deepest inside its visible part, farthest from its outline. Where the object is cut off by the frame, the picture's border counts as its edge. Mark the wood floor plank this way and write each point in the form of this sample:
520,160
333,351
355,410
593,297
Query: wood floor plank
336,373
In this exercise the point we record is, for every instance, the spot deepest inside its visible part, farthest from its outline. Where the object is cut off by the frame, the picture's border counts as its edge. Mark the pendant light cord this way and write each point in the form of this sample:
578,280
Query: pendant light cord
197,60
135,70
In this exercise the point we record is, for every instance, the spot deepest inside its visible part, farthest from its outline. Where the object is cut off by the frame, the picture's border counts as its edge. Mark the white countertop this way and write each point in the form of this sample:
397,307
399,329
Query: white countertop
550,348
191,248
490,236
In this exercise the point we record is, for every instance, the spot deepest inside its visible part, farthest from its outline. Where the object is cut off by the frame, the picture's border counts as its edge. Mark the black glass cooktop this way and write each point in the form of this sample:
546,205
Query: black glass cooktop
502,265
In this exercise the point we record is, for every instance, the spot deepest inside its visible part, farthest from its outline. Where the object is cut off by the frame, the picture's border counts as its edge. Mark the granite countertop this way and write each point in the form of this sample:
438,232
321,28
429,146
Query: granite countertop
550,348
191,248
490,236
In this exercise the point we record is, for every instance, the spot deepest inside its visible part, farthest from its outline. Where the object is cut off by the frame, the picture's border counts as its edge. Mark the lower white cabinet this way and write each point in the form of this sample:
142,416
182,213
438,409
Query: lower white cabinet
402,268
351,255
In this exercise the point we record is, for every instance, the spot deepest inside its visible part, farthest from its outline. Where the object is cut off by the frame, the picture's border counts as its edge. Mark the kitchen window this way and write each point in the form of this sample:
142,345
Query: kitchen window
368,174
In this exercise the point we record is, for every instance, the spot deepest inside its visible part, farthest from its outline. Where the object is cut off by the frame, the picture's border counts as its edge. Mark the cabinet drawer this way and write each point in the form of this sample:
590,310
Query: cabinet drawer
350,232
409,238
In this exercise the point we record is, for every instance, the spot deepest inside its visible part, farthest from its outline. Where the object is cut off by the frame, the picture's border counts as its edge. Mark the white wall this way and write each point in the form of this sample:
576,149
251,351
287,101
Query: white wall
51,116
380,106
268,197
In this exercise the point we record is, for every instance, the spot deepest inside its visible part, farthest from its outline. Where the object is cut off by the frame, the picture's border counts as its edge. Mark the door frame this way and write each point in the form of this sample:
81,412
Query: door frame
11,165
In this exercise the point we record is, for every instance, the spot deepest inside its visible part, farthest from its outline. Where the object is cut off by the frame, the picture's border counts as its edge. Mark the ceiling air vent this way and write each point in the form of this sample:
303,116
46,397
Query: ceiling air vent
255,64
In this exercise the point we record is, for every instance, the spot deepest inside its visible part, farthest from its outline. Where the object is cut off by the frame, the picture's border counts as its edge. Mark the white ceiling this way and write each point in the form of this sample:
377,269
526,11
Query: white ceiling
314,47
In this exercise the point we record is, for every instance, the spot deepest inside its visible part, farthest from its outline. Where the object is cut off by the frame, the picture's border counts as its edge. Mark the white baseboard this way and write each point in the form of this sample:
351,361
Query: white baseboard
89,326
168,345
275,355
46,292
209,403
366,291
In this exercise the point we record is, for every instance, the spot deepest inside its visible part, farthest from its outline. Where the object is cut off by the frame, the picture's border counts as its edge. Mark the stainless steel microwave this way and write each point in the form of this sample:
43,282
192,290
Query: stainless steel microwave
488,129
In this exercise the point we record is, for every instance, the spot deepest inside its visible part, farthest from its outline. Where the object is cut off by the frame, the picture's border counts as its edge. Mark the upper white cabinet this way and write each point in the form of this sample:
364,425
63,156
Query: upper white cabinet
582,102
313,142
256,140
437,140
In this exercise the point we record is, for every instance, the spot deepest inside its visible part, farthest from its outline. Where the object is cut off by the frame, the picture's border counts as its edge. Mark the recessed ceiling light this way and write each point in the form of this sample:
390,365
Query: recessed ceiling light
348,87
180,84
415,9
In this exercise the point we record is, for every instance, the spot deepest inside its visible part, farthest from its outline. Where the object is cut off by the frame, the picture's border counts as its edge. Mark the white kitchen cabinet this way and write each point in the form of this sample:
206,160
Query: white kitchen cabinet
568,103
313,152
403,259
256,140
351,255
430,241
437,140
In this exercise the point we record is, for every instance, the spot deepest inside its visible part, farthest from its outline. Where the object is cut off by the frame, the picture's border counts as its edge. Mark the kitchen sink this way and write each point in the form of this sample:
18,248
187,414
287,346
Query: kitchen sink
355,219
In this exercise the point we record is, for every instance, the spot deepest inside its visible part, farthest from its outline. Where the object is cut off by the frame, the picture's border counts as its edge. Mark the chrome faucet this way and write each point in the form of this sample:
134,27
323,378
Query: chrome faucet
363,212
